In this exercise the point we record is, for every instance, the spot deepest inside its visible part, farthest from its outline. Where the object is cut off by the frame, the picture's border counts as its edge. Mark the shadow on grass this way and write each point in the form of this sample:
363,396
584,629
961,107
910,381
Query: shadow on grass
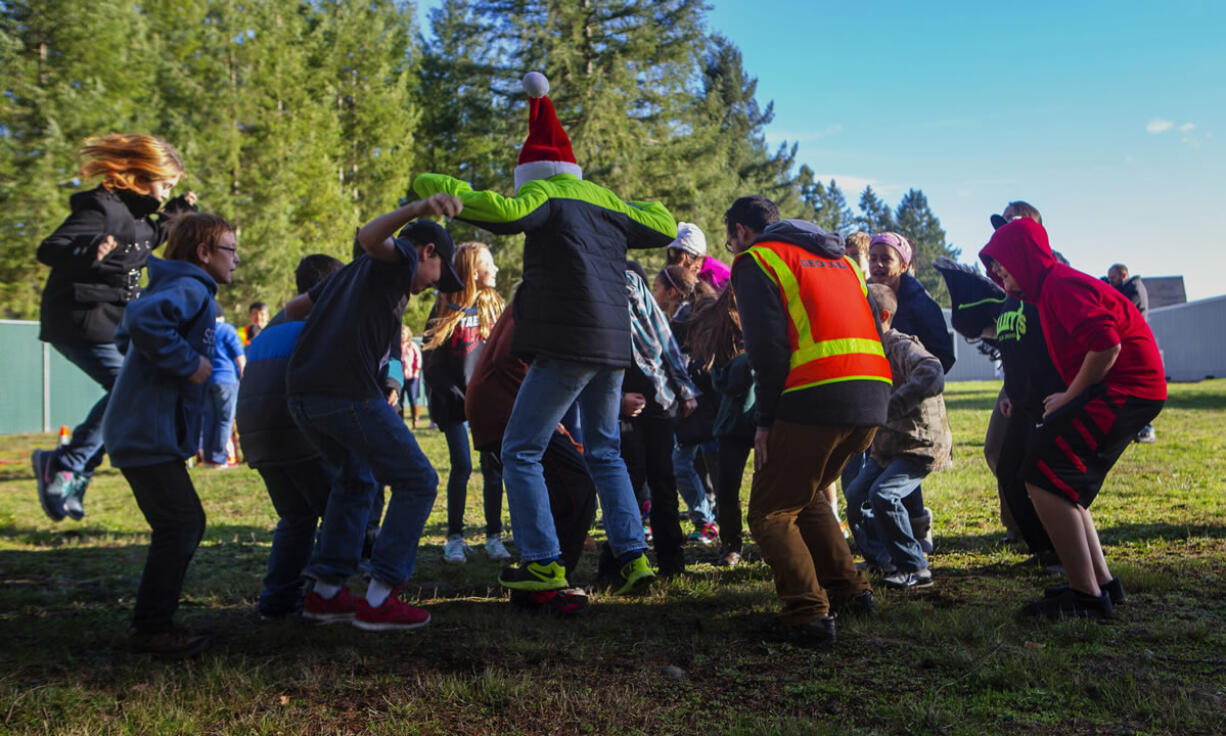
1158,531
84,533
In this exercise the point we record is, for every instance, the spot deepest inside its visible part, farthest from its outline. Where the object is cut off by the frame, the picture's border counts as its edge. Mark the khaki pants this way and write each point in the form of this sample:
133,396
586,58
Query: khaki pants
793,523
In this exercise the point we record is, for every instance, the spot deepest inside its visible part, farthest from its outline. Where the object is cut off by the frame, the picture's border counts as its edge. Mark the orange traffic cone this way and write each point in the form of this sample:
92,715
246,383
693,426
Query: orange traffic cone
65,435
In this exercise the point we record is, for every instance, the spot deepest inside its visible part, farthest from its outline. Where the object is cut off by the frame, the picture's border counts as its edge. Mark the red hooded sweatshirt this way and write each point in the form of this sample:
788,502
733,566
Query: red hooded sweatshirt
1079,313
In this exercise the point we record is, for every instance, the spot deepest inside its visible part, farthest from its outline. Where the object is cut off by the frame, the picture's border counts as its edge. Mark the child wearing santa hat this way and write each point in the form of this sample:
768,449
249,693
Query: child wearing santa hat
572,322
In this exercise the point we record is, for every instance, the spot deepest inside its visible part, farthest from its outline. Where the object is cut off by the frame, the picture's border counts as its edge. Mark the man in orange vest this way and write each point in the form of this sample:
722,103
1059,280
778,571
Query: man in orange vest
822,380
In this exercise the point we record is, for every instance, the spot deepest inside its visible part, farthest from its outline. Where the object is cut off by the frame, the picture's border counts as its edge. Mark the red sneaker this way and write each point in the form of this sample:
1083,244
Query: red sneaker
566,603
339,607
394,614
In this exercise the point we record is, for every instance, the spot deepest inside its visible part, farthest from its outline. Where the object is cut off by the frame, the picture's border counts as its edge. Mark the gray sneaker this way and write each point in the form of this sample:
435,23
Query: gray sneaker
909,580
455,551
74,501
51,484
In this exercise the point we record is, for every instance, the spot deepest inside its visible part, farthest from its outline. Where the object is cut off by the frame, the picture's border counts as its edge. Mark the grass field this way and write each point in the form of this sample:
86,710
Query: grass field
692,657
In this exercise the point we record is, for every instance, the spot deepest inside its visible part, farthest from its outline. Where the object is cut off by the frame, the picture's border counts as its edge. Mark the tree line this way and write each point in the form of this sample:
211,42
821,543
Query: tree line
300,119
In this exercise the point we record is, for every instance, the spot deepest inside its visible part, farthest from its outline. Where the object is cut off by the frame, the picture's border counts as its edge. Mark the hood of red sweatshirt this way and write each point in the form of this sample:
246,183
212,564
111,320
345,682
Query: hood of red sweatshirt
1021,247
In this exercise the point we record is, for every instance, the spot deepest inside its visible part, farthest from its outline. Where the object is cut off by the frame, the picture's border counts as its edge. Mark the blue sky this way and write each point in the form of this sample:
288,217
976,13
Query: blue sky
1109,117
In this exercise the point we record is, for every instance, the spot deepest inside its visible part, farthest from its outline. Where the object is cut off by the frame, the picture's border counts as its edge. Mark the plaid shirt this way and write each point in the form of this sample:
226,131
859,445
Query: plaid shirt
655,349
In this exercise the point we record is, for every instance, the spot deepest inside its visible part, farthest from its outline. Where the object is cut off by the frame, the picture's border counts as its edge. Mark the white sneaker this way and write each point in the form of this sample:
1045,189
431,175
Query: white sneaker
496,549
455,552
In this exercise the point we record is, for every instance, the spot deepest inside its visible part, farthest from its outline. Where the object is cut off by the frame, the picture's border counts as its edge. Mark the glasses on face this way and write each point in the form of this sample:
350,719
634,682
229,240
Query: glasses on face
226,248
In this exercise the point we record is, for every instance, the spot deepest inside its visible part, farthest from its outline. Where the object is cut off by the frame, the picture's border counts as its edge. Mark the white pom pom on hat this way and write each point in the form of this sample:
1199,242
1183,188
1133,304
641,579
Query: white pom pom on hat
546,152
536,84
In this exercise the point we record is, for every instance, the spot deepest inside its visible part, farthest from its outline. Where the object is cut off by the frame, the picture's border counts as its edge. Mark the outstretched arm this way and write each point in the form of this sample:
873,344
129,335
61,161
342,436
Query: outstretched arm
375,237
489,210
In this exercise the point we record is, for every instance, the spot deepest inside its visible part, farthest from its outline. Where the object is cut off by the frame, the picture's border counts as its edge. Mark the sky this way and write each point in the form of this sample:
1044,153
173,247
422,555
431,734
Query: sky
1110,117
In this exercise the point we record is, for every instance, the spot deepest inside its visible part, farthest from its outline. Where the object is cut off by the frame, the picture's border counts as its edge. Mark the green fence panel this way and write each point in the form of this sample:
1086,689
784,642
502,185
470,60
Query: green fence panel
73,393
21,378
23,403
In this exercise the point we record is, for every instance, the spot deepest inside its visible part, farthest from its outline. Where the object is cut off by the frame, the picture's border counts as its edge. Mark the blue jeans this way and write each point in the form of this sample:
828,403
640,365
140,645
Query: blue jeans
365,445
100,362
548,391
689,484
879,520
218,420
457,480
299,493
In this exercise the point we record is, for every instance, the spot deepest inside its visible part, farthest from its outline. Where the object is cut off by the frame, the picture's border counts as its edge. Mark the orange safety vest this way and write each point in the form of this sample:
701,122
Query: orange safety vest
831,328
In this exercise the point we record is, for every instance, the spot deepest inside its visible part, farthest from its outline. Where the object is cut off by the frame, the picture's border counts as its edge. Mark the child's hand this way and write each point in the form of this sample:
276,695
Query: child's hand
1006,407
204,369
443,204
760,440
106,246
688,406
1054,402
632,404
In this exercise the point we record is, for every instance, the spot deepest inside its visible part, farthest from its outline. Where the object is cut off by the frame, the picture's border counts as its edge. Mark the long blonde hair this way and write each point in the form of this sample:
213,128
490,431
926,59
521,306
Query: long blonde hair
485,299
130,161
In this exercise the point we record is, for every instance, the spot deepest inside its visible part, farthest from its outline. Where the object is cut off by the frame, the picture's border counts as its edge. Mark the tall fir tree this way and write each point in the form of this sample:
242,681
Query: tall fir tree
875,215
71,69
826,205
914,220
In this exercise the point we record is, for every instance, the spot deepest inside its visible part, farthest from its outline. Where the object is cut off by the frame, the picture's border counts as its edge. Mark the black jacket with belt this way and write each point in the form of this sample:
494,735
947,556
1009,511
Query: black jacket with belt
84,298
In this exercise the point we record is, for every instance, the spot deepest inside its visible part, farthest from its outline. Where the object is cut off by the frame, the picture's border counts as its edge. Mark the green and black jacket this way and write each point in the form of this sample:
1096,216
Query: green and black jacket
572,304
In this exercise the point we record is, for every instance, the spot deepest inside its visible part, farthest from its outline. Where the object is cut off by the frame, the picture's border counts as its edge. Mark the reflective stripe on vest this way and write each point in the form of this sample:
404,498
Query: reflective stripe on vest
832,338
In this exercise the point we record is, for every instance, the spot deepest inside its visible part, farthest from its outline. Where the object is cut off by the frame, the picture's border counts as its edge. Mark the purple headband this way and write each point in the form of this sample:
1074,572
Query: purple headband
895,241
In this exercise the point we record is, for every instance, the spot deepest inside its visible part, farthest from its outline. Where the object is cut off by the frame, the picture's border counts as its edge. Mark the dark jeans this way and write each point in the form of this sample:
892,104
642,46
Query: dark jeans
572,494
365,444
166,496
218,420
647,447
457,482
733,454
299,493
100,362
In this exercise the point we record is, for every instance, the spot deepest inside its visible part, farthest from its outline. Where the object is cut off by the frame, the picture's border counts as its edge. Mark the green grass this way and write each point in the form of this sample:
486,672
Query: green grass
954,659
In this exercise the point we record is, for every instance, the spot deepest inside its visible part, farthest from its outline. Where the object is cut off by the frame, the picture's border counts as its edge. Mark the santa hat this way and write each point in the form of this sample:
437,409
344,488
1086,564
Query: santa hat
547,150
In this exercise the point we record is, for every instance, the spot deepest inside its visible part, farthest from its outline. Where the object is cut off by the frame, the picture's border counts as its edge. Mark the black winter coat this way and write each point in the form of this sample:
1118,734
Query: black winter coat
919,315
84,297
572,304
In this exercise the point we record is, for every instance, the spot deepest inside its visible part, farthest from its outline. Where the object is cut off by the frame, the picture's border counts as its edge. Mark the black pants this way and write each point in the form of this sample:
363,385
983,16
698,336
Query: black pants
299,492
647,447
572,494
166,496
733,454
1019,437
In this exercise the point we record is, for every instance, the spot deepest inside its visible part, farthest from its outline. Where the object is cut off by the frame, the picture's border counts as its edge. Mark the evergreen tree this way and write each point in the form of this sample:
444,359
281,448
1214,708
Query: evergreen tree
826,205
471,125
915,221
71,69
875,216
372,64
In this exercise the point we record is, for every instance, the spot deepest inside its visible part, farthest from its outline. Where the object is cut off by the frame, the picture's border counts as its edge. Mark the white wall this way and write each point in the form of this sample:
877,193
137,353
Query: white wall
1190,337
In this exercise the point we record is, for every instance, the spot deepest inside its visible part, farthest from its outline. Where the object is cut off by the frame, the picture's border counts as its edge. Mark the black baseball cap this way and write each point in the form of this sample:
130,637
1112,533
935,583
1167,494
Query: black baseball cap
998,221
424,232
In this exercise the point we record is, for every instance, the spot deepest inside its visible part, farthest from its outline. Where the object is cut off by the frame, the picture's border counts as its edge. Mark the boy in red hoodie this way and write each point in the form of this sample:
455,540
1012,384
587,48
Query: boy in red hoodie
1106,354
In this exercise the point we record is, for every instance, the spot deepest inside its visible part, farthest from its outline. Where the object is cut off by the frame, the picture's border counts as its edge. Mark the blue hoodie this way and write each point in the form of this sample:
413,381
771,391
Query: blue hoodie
154,413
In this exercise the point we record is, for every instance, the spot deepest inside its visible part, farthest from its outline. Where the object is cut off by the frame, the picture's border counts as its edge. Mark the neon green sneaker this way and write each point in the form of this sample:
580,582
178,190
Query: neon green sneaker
636,576
534,576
